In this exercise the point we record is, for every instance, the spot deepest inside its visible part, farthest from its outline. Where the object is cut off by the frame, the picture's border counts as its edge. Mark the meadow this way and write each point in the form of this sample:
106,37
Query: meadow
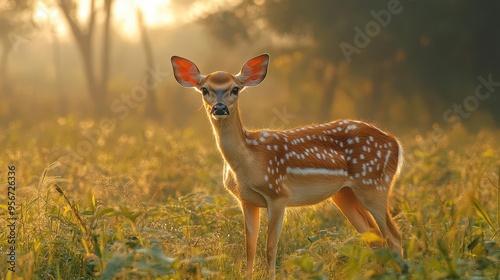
148,203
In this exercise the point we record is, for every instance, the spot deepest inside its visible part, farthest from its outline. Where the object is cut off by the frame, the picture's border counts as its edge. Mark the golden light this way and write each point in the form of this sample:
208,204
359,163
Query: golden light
155,13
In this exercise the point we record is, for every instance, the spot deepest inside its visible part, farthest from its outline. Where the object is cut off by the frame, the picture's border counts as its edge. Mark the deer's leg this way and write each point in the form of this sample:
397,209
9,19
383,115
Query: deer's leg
394,236
375,201
357,215
252,223
276,212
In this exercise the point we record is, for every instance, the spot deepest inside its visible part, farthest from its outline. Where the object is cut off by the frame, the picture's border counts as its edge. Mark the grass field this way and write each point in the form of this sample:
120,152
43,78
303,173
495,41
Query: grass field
147,203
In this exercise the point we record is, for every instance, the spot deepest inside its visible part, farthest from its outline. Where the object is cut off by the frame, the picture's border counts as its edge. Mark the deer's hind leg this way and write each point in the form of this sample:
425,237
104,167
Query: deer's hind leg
357,215
375,201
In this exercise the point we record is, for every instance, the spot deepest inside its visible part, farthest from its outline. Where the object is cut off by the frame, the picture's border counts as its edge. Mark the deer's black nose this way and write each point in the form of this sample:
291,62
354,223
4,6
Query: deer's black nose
220,109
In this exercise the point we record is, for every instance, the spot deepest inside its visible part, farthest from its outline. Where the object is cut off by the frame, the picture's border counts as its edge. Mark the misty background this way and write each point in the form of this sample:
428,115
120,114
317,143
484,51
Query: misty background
406,65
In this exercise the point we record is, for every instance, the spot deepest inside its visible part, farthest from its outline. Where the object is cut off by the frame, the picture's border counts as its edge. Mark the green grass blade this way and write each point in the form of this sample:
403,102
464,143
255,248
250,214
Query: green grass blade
481,211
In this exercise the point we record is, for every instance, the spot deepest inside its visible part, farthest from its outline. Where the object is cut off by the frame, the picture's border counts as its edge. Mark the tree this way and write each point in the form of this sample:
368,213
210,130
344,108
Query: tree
84,36
394,47
14,16
5,28
318,28
151,109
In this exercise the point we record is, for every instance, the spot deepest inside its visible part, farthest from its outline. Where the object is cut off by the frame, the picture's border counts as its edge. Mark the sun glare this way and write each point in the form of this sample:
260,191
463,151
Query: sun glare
155,12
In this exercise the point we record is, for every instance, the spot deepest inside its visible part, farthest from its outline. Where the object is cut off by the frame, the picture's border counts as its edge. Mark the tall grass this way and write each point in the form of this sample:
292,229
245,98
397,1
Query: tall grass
148,203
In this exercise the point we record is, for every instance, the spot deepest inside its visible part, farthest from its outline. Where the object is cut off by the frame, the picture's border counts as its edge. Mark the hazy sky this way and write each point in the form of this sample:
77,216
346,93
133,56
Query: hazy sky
156,12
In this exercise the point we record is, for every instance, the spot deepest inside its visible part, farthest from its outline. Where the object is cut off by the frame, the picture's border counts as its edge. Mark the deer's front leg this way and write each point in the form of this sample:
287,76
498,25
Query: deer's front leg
276,212
252,223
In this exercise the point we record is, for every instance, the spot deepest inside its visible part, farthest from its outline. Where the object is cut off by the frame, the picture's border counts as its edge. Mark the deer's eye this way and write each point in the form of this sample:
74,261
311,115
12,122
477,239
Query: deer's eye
235,90
204,90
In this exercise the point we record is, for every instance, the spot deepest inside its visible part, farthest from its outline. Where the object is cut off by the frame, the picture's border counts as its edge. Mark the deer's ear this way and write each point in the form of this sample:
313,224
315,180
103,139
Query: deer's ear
186,72
254,71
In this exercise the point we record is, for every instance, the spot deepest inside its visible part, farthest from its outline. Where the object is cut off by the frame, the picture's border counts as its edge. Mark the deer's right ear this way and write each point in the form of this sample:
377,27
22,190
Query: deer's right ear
186,72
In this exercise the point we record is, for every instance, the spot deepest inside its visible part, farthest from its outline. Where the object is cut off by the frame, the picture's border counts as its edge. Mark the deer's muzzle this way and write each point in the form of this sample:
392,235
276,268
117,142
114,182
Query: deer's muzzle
220,111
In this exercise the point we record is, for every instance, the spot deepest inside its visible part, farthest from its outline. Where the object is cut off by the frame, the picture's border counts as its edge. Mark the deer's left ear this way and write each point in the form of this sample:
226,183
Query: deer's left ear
254,71
186,72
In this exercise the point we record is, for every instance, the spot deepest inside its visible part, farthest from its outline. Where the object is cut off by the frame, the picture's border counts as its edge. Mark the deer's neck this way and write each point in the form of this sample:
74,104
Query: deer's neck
230,137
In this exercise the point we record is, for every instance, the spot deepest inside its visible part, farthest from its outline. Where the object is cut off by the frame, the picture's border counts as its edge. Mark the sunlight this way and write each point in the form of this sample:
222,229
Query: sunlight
156,13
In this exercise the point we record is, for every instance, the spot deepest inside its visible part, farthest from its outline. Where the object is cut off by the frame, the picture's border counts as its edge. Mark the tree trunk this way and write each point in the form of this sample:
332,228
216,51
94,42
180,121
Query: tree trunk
83,38
4,86
106,44
92,84
151,110
63,99
328,95
373,107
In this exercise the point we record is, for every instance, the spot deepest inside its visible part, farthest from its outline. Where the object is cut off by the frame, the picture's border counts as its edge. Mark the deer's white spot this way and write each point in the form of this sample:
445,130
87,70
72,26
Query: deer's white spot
387,158
316,171
350,127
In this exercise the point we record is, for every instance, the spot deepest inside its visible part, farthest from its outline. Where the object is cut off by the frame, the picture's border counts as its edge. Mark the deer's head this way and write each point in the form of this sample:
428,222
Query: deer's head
220,89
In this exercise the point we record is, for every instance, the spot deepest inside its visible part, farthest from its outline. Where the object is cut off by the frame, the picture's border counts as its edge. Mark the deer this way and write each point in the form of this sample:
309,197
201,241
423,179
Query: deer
352,162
